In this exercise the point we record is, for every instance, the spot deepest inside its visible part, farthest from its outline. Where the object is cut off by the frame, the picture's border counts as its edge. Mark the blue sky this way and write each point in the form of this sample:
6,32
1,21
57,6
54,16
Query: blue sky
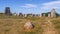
30,6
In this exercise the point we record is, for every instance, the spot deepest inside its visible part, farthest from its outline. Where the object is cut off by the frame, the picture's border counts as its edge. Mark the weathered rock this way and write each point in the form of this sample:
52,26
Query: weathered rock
28,26
49,15
53,13
40,15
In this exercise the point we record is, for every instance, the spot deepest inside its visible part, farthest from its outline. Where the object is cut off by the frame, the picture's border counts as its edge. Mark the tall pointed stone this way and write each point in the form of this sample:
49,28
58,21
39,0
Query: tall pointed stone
53,13
7,11
49,15
40,15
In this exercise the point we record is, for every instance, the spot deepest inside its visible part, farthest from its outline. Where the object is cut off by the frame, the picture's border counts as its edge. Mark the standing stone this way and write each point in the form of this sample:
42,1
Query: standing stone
49,15
40,15
7,11
20,14
14,14
28,26
33,15
43,15
29,15
25,15
53,13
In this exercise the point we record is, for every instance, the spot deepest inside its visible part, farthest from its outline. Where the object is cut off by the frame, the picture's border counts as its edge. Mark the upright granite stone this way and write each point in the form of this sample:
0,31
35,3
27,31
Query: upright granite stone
20,14
29,15
40,15
49,15
7,11
53,13
43,15
25,15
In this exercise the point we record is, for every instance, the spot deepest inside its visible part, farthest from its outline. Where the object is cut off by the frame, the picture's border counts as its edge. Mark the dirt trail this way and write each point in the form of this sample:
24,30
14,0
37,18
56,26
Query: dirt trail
48,28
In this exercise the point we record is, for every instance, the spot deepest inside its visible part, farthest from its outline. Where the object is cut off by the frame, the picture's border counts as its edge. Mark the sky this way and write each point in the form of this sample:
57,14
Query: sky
30,6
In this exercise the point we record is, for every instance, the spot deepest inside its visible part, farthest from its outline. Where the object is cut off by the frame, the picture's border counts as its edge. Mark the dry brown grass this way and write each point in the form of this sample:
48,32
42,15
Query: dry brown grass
13,25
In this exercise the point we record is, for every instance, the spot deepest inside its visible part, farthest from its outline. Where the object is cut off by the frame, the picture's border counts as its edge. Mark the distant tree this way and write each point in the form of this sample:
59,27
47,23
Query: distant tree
1,13
7,11
57,14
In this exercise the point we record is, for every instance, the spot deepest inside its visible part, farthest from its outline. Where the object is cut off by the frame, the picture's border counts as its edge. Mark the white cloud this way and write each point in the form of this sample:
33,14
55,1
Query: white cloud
29,6
50,5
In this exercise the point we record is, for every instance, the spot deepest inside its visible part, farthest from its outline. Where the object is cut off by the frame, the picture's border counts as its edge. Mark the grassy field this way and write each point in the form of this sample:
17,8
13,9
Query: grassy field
14,24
